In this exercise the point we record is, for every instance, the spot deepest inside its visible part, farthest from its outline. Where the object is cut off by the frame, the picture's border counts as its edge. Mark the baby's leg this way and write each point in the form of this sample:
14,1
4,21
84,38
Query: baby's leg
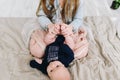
36,51
69,41
68,37
49,38
81,44
37,45
81,50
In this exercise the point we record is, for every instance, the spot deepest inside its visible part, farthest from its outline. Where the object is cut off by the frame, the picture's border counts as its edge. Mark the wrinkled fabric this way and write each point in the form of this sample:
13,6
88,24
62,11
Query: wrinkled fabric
101,63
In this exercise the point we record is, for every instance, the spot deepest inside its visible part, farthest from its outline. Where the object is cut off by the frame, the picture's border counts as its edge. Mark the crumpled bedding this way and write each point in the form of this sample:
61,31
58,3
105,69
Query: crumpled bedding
101,63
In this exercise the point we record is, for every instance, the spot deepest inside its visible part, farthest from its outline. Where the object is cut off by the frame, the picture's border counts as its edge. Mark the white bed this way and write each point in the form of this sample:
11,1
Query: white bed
102,62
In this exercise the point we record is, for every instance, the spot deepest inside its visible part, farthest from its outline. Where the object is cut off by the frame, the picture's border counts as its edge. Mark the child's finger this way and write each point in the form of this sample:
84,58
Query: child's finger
57,26
62,27
57,31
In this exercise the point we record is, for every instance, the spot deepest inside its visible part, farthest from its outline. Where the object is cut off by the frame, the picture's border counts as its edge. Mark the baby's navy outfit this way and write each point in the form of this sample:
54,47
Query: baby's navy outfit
56,51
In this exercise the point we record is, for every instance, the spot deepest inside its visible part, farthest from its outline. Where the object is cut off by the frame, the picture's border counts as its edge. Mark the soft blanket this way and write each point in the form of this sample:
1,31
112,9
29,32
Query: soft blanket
101,63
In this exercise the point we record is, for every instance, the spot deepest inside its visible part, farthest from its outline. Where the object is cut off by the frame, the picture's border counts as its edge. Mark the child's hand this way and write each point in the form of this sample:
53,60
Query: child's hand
57,28
54,29
66,30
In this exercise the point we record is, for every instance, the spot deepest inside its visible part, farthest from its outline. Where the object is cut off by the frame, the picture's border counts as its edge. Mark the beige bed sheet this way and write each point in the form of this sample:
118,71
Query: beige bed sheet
102,62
